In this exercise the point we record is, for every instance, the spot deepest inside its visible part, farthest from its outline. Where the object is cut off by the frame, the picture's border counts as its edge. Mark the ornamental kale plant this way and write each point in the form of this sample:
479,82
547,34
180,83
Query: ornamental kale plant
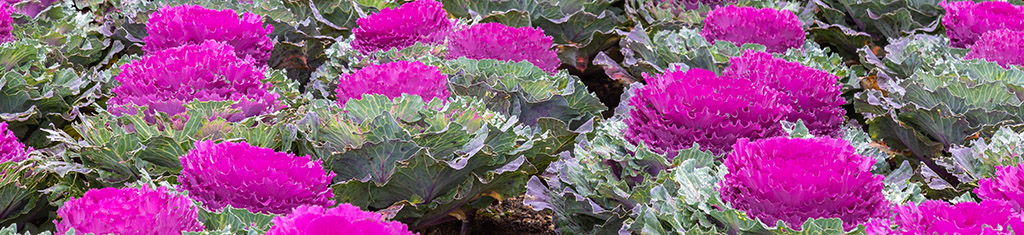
10,149
793,180
779,30
814,94
392,80
6,23
174,26
254,178
346,217
677,109
966,21
504,43
939,217
1002,46
129,211
421,21
166,80
1007,185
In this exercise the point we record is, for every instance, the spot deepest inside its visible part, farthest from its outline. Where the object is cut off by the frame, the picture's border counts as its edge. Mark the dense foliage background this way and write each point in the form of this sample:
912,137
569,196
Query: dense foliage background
615,116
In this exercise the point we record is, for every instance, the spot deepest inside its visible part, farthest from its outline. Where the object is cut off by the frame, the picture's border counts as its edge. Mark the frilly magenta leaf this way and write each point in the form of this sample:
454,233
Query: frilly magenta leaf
939,217
420,21
10,149
6,23
966,21
253,178
192,24
1008,185
677,109
1003,46
814,94
129,211
392,80
210,71
499,42
779,30
794,180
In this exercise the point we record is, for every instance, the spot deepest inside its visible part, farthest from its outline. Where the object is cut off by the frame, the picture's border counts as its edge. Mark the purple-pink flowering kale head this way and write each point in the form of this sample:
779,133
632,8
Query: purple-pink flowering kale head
1008,185
677,109
939,217
966,21
1003,46
792,180
254,178
191,24
499,42
166,80
814,94
316,220
6,23
420,21
779,30
392,80
129,211
10,149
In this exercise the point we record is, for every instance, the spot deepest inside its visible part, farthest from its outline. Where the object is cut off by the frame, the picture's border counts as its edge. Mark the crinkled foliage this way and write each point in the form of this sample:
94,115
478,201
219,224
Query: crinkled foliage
77,41
982,157
1007,185
23,190
421,21
814,94
166,80
677,109
939,217
129,211
1003,46
253,178
927,99
392,80
6,23
174,26
593,189
966,21
779,30
11,150
848,25
793,180
316,220
35,95
499,42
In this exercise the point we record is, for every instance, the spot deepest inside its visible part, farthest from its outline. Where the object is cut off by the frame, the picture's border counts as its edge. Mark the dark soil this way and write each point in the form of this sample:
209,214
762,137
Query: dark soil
509,217
607,90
